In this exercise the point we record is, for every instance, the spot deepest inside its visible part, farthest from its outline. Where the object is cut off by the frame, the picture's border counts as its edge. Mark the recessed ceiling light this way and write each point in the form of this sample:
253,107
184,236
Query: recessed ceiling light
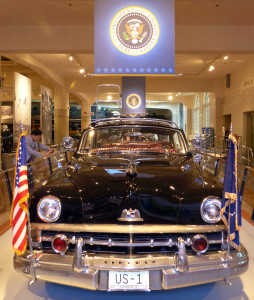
225,57
109,97
70,58
170,97
82,71
211,68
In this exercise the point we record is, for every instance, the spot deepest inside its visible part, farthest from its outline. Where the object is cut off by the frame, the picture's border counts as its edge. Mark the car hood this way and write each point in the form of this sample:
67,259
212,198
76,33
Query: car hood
163,189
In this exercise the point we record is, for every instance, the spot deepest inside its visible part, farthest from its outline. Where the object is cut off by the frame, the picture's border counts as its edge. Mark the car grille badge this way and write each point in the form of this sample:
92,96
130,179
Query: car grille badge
130,215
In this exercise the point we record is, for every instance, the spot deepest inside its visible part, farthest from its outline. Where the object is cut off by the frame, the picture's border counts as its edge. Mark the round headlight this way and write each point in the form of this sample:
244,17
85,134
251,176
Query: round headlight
49,209
210,209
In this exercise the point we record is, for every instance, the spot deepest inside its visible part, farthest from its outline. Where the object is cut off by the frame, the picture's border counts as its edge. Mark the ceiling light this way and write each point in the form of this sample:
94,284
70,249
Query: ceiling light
70,58
211,68
81,70
170,97
109,97
225,57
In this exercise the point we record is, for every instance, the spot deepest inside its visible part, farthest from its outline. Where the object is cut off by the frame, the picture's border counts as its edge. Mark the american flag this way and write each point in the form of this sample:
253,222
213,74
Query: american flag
19,205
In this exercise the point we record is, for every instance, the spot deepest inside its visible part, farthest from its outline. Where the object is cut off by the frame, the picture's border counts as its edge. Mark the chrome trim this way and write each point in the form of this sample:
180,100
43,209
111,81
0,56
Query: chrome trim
63,237
90,241
116,228
200,236
129,215
202,269
78,264
181,258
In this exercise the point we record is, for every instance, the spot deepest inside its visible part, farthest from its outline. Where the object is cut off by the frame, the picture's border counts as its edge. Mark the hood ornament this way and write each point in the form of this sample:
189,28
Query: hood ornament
129,215
131,169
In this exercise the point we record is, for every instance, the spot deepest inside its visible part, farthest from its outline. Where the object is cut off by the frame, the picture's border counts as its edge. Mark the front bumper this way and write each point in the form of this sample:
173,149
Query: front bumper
91,271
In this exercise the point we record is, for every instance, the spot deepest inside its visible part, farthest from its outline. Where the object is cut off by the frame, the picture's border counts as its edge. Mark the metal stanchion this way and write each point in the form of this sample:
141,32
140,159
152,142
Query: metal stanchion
50,166
8,186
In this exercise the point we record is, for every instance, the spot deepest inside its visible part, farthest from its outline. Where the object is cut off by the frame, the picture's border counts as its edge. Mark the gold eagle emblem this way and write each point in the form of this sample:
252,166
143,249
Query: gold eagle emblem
134,29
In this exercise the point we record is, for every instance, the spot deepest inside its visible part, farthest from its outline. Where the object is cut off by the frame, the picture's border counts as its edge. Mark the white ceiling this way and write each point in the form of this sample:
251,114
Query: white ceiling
206,31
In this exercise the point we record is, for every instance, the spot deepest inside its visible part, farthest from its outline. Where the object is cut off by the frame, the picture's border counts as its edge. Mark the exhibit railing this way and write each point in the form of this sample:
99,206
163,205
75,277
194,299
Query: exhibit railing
41,169
218,147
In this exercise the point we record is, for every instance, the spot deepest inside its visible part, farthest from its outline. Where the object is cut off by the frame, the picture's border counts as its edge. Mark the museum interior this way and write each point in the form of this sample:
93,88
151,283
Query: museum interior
56,75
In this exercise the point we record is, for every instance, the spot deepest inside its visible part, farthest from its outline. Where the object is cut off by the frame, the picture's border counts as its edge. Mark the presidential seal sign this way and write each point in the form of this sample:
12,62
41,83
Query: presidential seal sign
133,101
134,30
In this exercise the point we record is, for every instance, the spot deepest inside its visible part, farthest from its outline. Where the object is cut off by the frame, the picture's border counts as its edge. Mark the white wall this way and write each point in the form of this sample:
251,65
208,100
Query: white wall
239,98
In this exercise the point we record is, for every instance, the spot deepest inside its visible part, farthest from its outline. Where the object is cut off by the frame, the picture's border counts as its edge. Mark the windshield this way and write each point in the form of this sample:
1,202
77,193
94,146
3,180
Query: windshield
125,138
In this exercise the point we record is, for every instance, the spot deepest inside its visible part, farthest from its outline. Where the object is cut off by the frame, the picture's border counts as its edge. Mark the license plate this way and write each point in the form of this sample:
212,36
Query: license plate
118,280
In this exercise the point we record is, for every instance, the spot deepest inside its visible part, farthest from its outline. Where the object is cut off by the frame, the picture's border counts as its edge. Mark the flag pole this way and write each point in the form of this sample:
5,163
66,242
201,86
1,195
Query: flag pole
227,278
31,256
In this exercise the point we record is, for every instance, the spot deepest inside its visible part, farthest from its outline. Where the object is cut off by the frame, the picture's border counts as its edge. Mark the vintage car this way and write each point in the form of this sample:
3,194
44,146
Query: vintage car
133,210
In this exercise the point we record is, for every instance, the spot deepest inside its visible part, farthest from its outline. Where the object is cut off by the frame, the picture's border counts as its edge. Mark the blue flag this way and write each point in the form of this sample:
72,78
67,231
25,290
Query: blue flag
231,202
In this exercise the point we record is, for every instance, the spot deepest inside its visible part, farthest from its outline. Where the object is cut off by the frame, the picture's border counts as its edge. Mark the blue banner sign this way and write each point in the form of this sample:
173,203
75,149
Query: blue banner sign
135,37
134,96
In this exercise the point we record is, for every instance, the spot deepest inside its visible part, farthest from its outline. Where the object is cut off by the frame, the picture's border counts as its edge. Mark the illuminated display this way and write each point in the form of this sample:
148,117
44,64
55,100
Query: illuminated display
133,96
134,37
134,30
133,101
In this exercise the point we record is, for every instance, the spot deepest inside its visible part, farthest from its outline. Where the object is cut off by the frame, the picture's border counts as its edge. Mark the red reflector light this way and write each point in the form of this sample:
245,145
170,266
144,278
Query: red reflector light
200,244
60,244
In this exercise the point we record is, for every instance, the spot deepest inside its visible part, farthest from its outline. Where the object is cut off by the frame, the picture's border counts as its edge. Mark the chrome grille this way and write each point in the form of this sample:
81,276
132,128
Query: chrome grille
124,243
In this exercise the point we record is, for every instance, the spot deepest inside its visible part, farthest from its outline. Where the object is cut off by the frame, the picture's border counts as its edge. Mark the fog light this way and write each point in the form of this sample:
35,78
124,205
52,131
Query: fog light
60,244
200,243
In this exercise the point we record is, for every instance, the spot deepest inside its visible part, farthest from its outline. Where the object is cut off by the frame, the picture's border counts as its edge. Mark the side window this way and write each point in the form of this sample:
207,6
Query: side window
178,144
89,140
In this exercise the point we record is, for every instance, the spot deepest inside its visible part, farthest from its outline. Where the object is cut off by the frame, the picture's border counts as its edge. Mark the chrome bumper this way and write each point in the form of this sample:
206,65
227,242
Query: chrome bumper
166,272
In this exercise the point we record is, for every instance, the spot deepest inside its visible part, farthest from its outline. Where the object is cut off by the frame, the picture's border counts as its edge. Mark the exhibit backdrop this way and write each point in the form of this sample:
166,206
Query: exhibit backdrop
134,37
22,106
46,115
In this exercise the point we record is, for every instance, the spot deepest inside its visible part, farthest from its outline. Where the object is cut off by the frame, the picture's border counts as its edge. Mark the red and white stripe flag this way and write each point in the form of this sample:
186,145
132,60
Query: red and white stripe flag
19,204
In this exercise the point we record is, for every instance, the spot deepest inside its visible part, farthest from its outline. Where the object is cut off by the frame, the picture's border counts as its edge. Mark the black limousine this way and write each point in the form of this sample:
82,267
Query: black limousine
133,210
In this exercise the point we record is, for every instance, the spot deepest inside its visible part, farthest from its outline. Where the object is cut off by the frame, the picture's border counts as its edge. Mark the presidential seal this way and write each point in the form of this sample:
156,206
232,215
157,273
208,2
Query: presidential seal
133,101
134,30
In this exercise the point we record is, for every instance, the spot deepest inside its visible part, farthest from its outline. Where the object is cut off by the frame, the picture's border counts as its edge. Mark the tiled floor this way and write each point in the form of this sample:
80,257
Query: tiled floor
13,286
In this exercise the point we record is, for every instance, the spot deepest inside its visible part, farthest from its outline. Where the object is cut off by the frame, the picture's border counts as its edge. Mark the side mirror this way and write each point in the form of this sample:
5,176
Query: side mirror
68,142
197,143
